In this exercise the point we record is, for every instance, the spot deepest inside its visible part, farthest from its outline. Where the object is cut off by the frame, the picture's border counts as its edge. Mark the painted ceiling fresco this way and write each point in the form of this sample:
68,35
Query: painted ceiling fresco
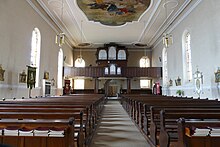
113,12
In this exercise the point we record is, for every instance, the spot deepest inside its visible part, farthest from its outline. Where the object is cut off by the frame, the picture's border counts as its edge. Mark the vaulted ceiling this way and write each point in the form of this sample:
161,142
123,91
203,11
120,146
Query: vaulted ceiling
142,31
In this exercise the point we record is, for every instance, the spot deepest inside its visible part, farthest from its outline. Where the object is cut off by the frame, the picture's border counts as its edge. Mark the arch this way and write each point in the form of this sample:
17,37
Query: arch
118,70
106,70
165,66
144,62
79,62
102,55
79,83
187,59
35,52
112,69
112,53
121,55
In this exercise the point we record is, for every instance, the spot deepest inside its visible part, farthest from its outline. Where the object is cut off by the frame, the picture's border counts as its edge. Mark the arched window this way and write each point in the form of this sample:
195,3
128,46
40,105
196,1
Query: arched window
60,69
35,52
121,55
80,62
187,61
144,62
165,68
112,53
118,70
102,55
79,83
112,69
106,70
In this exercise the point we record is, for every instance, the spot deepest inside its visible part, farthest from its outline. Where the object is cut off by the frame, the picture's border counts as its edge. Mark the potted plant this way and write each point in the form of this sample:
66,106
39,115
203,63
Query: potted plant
180,92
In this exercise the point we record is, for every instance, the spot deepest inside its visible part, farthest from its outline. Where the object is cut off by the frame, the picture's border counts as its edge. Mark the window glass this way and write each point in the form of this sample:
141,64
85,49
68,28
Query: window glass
112,53
35,52
144,62
60,69
79,83
102,55
121,55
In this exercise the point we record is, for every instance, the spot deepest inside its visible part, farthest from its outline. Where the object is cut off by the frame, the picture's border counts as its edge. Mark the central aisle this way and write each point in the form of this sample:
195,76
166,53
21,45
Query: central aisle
116,129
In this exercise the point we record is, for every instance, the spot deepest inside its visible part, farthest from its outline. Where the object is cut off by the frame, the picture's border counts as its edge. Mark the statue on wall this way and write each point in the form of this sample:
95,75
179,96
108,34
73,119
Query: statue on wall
217,75
178,81
1,73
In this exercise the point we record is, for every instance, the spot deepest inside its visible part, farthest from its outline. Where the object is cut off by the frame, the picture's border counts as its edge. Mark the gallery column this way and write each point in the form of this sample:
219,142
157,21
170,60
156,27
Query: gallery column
128,85
96,87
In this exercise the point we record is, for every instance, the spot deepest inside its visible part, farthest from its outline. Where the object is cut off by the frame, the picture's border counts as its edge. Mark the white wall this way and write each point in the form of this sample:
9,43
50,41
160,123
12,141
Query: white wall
203,24
18,19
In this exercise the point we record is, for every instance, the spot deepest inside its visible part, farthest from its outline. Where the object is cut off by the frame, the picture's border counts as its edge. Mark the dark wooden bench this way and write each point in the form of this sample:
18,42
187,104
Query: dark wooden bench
176,112
80,138
187,140
139,109
67,125
168,122
59,108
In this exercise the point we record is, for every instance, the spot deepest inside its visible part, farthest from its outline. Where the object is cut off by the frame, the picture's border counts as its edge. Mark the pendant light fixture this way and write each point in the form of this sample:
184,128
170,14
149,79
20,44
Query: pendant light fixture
167,38
82,44
60,38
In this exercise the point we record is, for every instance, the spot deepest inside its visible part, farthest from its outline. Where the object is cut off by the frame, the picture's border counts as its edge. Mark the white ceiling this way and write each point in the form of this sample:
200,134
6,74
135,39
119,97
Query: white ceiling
150,26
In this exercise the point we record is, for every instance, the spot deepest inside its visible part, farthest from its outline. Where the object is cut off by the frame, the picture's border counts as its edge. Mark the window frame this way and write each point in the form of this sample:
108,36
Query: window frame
35,51
187,57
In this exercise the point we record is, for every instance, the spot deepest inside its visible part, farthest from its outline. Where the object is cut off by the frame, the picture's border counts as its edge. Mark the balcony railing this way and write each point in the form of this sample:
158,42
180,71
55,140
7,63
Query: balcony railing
128,72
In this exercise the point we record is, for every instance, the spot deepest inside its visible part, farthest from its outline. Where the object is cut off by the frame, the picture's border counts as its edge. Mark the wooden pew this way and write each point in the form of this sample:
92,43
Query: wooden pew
50,115
139,109
155,121
35,141
56,107
43,112
165,137
186,140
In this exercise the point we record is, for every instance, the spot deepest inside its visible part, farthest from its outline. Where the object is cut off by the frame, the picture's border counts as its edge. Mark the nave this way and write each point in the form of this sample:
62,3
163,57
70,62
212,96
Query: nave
116,129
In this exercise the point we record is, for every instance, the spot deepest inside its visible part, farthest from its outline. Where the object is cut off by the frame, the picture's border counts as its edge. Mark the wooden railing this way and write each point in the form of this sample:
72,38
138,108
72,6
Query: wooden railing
128,72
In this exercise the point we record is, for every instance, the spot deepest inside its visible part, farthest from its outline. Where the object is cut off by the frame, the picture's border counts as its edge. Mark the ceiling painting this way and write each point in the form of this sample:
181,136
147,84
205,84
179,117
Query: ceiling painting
113,12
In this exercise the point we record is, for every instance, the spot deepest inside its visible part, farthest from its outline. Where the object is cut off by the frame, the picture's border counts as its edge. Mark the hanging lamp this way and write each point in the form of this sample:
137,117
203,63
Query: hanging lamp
60,38
167,38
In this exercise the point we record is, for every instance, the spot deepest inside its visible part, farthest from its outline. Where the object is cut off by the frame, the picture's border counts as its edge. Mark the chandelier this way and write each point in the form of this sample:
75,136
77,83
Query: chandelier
60,38
83,44
167,38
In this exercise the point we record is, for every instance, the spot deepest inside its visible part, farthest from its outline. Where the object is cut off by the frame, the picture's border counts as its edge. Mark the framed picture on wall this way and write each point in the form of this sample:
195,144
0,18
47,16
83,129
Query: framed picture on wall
22,77
46,75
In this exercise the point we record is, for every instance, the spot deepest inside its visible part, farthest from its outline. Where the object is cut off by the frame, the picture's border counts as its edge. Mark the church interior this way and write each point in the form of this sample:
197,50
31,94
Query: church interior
99,70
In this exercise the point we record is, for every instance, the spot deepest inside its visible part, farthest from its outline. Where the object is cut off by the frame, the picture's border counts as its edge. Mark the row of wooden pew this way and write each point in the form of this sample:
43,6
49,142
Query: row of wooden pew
62,121
170,121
